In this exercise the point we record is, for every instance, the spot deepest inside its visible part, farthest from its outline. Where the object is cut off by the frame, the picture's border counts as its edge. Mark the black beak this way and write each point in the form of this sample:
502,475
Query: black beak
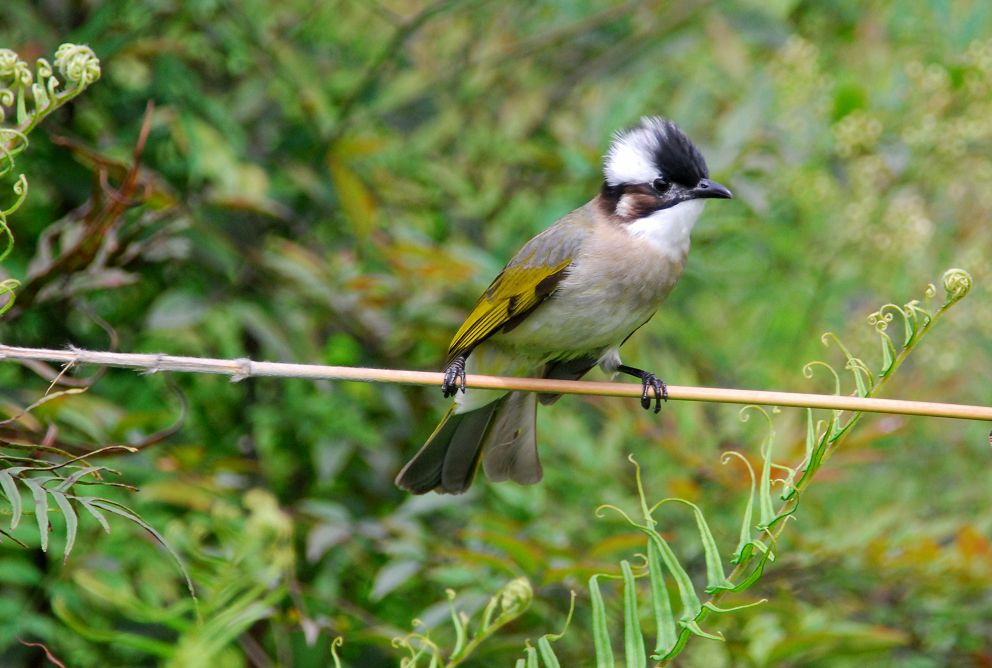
710,189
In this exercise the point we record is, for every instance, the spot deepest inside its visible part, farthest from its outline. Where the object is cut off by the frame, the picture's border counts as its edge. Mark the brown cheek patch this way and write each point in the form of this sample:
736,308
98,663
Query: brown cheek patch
637,205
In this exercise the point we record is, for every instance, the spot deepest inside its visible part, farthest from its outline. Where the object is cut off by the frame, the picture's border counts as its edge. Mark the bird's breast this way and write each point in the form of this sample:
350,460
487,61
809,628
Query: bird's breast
615,284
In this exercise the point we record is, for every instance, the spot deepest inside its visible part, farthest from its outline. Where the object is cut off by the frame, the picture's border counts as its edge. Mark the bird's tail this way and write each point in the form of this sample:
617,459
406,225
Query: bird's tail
503,430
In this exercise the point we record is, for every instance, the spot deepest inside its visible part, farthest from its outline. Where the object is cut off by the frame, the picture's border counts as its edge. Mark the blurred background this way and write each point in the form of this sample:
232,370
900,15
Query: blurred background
337,182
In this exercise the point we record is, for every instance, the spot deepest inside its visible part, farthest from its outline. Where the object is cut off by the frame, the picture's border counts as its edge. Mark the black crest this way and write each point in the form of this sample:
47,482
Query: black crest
678,158
654,146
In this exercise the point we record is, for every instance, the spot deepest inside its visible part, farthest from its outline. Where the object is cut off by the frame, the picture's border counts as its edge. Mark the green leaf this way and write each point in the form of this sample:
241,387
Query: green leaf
71,521
461,633
693,627
810,437
86,502
547,654
690,601
40,509
745,532
857,368
633,639
716,578
600,630
77,476
10,490
128,514
888,351
665,626
735,608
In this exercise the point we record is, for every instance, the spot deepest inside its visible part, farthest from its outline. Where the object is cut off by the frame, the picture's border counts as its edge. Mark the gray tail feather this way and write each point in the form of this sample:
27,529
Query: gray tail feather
448,460
505,430
510,448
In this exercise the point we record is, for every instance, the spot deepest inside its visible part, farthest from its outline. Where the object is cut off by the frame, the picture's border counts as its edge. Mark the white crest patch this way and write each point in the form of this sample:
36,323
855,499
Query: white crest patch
631,155
668,229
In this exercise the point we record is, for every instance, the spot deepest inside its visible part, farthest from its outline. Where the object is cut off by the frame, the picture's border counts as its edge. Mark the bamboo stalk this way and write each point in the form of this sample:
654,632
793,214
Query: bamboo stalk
239,369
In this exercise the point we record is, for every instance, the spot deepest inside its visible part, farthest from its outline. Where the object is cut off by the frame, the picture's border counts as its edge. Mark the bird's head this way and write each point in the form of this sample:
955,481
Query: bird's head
651,167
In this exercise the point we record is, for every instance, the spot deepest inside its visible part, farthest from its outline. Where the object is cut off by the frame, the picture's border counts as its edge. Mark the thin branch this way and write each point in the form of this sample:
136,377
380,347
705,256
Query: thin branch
239,369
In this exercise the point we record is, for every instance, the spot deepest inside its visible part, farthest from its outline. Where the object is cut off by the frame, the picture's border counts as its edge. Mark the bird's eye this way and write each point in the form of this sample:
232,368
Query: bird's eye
661,186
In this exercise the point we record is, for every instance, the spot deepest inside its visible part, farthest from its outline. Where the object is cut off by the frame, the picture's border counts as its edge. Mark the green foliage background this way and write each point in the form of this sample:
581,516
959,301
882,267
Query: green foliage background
337,182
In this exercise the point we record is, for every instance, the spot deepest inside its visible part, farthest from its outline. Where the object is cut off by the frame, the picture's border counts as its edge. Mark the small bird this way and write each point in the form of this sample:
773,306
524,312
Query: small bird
565,303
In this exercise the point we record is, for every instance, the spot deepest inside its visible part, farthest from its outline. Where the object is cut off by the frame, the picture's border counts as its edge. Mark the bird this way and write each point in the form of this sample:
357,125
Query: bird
565,303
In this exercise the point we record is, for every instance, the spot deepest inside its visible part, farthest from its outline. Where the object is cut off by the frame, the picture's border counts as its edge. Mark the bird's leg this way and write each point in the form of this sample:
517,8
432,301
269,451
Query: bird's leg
648,379
454,377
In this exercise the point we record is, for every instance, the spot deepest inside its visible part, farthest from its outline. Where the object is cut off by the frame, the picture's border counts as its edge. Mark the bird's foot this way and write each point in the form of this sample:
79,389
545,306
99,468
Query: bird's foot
454,377
648,381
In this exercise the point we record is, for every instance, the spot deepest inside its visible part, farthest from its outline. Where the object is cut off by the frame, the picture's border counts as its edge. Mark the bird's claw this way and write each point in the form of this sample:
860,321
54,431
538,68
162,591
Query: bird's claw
454,377
649,380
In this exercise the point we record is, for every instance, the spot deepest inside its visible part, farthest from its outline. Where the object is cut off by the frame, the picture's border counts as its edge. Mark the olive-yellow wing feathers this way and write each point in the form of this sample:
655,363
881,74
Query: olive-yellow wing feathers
527,280
516,292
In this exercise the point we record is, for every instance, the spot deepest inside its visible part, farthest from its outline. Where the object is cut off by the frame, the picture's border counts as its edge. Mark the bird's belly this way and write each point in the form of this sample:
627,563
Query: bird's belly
591,312
583,318
616,284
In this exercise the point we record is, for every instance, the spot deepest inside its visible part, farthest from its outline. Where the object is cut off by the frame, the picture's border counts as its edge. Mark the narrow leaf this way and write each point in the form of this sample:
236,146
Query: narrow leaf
766,508
745,533
126,513
888,350
694,628
10,490
735,608
77,476
661,605
690,601
71,521
600,631
716,578
858,370
547,654
40,509
461,636
633,639
86,503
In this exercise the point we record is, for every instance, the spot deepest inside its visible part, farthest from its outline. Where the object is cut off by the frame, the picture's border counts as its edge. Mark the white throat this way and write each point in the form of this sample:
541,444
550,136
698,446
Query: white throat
668,230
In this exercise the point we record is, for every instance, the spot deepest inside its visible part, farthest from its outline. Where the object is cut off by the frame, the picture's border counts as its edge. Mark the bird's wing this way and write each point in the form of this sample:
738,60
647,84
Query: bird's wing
529,278
515,293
